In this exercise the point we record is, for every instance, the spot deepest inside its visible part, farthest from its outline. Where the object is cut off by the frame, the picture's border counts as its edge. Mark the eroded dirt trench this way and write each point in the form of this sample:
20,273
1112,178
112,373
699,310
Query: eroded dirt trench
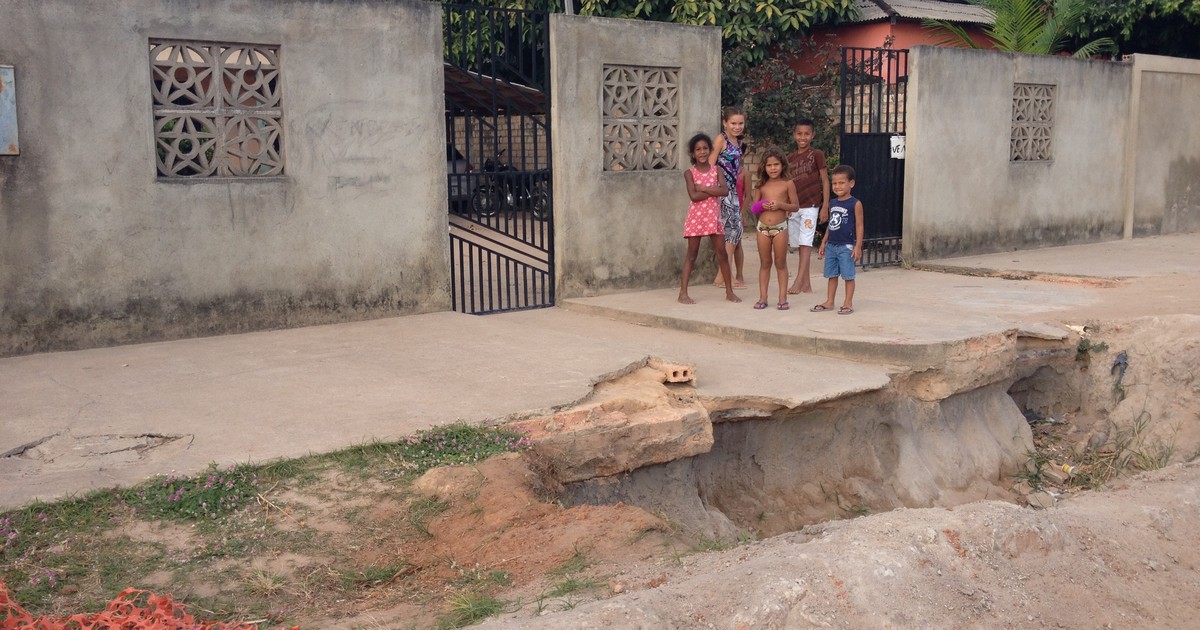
735,467
646,470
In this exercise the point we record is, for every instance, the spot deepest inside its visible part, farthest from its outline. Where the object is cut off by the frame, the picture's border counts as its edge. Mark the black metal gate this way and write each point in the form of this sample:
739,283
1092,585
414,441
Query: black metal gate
498,158
874,82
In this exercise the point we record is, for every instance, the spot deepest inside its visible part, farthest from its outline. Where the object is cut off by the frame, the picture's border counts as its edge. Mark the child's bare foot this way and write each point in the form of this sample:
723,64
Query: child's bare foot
685,299
731,297
739,283
798,288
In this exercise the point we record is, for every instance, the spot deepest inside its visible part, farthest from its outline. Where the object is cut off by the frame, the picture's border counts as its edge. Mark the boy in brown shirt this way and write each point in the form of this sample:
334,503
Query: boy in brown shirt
807,170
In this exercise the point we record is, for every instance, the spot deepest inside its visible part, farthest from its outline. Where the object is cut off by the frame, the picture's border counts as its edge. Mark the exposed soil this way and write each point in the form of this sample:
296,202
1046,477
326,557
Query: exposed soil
1124,557
1120,553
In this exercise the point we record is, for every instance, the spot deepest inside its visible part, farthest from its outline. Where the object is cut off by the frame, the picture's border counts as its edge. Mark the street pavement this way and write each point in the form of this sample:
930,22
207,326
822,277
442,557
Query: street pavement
74,422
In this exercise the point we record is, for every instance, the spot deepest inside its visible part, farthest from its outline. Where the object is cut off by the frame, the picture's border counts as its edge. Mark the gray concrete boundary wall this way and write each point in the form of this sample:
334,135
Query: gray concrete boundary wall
962,194
622,230
96,250
1162,176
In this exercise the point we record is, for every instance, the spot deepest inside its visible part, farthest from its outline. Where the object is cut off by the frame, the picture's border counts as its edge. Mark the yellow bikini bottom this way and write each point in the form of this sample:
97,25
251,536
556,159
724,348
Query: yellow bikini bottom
771,230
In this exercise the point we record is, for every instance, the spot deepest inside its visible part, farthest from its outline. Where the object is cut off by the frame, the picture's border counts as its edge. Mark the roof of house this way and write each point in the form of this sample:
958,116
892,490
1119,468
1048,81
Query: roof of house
873,10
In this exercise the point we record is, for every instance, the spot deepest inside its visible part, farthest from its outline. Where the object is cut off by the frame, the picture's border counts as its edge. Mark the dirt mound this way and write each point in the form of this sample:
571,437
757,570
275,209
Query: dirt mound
1121,555
495,520
1115,558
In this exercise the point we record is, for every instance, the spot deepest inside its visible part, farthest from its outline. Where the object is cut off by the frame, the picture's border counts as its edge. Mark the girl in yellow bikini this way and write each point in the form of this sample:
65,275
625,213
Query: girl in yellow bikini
774,199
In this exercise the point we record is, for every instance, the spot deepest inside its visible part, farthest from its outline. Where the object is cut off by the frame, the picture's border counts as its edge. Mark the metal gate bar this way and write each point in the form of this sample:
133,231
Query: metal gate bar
497,120
874,84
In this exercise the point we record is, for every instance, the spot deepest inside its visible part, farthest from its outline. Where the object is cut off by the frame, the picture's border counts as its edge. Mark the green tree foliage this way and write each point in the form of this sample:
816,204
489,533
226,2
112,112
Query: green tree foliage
775,96
750,27
1160,27
1039,27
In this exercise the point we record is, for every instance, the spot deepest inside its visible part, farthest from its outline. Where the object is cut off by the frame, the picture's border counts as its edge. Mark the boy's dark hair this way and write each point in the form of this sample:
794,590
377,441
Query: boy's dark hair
697,139
805,122
771,152
843,169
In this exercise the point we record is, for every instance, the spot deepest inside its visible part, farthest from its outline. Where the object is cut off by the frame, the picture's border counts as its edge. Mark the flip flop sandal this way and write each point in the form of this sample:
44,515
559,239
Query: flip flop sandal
758,306
821,308
845,310
783,306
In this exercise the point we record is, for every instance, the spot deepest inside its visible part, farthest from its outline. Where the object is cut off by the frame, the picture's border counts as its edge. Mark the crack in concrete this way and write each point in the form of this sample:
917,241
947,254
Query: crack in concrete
158,440
20,450
149,441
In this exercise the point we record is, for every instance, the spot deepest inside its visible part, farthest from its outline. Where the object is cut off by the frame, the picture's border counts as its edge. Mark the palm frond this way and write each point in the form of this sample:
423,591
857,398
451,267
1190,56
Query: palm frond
1095,47
952,35
1019,25
1037,27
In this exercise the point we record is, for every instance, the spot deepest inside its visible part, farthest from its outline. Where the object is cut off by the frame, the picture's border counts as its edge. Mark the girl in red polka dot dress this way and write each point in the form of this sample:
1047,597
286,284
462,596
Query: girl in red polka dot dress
705,187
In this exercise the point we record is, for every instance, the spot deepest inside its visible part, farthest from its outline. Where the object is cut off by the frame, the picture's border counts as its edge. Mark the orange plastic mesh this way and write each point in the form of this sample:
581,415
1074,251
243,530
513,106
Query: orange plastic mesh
133,609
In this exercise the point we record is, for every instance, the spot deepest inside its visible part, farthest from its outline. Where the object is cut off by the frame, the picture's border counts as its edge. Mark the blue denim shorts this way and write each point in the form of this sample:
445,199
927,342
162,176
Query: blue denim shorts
839,261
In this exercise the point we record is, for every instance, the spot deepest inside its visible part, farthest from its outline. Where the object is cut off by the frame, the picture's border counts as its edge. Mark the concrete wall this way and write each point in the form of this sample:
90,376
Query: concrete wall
962,194
96,250
1163,147
622,230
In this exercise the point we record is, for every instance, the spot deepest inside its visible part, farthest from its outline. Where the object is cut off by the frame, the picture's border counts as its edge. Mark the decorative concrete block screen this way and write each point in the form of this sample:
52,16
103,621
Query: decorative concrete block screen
641,118
217,109
1032,123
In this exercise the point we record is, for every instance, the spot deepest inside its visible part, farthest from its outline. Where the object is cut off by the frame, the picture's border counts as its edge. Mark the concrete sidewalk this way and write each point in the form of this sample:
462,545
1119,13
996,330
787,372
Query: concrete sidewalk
914,317
71,422
76,421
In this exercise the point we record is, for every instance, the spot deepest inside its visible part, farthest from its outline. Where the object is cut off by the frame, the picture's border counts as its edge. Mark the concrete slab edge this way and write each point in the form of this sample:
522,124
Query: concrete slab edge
1100,282
901,356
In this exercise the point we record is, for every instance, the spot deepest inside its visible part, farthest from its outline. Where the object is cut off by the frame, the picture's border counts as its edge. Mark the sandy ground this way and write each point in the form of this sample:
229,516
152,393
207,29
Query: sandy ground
1124,557
1120,556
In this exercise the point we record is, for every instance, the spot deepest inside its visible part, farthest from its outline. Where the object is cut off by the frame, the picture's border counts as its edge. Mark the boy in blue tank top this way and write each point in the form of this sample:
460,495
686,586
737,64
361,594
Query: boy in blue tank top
842,246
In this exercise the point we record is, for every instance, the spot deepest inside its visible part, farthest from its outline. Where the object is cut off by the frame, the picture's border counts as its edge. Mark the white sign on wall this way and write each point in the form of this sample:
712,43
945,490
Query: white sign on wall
8,112
897,147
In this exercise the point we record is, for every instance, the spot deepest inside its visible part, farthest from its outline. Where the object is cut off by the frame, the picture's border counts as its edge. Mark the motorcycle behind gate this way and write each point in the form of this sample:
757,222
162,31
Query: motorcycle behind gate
504,188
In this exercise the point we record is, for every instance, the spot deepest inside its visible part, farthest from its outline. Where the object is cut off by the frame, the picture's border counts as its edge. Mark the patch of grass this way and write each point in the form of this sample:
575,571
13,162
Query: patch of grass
1129,448
467,608
264,583
48,560
707,544
1085,346
500,578
421,510
1034,461
76,554
297,472
208,495
845,509
477,577
574,564
1132,448
458,443
856,511
572,585
669,525
373,576
43,545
